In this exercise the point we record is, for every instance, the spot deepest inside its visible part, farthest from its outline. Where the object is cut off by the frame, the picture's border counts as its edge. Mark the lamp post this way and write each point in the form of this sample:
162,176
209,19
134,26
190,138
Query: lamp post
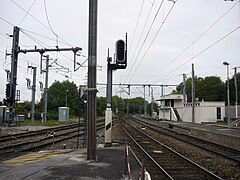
225,63
66,97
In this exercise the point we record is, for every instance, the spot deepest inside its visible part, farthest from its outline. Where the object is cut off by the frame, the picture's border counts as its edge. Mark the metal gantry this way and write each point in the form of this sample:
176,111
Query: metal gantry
13,75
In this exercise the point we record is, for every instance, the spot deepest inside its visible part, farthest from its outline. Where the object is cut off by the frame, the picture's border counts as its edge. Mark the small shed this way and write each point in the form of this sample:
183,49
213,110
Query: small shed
63,114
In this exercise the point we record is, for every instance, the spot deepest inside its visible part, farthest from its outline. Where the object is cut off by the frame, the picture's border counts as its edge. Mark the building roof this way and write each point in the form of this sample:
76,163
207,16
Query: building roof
171,96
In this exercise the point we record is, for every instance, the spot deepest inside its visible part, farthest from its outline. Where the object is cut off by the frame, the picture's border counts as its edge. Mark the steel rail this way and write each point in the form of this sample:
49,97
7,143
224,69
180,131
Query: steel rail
166,148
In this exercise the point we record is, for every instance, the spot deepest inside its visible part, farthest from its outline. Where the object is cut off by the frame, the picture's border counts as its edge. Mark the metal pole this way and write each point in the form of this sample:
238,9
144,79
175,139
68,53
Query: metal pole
152,104
228,96
193,95
33,93
184,88
66,97
109,86
236,92
163,104
46,90
13,78
92,75
145,103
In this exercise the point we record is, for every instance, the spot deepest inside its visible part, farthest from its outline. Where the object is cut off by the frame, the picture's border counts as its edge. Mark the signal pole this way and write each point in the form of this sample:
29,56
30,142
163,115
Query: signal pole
33,92
184,88
121,63
145,103
46,90
193,95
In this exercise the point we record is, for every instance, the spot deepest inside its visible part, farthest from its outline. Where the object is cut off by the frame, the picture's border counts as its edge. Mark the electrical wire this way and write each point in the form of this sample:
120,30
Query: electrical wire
33,38
45,6
4,35
6,21
43,36
213,44
135,29
27,13
199,37
36,20
140,37
149,30
153,39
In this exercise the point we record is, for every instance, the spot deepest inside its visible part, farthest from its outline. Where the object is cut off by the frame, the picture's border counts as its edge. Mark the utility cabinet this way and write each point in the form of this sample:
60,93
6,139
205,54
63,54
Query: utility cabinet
63,114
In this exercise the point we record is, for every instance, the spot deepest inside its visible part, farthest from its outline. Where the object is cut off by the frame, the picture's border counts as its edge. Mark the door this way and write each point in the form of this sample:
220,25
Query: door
218,112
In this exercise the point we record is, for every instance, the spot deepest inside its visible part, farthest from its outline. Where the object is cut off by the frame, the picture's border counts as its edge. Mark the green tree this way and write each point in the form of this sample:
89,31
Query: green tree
101,106
210,88
232,90
57,94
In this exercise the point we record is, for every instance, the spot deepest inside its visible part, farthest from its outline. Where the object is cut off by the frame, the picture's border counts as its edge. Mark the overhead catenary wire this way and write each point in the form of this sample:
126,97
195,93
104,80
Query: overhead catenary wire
27,13
33,38
6,21
198,38
149,30
4,35
140,37
43,36
36,20
43,45
153,39
45,7
213,44
135,29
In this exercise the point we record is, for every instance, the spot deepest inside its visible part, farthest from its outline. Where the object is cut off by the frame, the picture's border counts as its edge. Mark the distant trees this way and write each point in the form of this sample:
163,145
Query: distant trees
210,88
57,94
232,89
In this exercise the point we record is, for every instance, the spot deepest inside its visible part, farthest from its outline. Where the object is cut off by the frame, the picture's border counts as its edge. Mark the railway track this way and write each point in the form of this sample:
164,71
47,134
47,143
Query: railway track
161,161
38,139
221,150
7,138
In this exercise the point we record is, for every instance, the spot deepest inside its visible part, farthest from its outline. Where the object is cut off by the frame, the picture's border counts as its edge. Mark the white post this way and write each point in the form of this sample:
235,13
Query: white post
203,111
108,126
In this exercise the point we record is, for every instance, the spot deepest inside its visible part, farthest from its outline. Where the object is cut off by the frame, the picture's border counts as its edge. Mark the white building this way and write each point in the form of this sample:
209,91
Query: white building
174,109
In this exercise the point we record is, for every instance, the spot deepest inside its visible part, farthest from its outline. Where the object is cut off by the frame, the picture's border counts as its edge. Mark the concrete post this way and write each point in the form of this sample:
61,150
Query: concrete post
108,112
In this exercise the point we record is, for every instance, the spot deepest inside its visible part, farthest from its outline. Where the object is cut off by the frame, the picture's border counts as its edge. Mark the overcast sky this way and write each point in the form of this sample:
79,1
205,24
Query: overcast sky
162,42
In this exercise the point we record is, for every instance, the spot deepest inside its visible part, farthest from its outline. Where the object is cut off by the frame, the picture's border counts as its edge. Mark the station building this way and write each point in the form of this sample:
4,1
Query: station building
173,108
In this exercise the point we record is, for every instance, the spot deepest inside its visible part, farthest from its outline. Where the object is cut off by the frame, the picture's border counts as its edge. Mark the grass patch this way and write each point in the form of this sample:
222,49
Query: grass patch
48,123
